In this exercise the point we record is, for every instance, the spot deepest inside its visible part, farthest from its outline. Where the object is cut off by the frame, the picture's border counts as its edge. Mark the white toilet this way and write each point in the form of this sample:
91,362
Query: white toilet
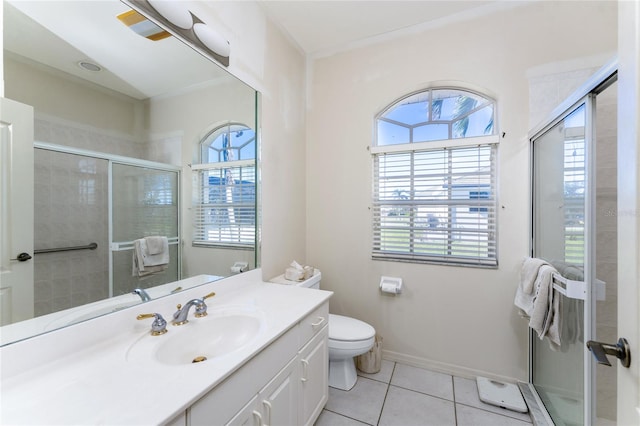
348,338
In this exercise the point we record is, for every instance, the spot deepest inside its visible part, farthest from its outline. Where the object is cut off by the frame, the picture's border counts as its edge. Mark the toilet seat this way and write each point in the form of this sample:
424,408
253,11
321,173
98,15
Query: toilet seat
349,330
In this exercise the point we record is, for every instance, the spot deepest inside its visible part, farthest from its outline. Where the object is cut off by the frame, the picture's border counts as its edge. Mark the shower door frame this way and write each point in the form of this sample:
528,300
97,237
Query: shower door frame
128,161
585,94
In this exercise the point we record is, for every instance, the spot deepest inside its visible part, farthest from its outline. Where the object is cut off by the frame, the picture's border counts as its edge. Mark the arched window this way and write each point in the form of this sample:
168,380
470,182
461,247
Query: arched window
233,141
225,188
434,163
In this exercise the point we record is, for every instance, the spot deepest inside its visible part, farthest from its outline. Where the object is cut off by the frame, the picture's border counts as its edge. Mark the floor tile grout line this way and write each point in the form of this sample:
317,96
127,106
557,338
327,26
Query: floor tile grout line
455,406
386,393
344,415
423,393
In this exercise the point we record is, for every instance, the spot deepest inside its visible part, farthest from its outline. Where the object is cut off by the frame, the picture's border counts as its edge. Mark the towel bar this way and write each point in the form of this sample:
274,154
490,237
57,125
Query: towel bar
128,245
576,289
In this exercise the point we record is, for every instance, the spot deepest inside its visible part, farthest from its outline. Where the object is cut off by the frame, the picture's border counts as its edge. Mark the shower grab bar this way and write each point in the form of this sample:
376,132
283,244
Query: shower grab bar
576,289
90,246
128,245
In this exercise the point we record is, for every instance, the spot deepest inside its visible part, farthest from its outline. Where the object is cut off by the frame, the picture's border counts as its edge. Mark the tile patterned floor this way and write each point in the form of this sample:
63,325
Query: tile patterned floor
401,395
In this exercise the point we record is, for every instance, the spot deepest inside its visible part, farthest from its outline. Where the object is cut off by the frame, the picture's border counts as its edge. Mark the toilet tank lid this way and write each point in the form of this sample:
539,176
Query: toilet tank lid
349,329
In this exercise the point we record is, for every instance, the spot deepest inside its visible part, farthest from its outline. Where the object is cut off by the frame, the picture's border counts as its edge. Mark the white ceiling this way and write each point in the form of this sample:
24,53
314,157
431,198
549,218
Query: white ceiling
319,26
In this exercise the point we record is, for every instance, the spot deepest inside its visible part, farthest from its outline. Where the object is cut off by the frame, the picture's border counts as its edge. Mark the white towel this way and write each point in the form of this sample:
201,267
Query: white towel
156,245
525,293
144,264
546,316
157,253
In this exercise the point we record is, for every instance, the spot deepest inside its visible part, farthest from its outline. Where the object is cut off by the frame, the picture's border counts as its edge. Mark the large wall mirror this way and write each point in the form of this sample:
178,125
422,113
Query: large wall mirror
136,138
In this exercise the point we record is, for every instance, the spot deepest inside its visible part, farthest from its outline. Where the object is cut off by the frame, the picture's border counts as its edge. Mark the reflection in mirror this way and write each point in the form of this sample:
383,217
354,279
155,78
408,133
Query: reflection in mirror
118,119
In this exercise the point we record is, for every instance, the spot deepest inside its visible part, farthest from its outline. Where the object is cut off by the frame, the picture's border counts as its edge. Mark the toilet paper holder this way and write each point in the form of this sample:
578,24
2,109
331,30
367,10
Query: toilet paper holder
239,267
391,285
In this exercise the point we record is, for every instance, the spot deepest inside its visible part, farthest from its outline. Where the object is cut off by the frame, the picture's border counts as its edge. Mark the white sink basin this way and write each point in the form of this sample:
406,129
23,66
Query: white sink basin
221,333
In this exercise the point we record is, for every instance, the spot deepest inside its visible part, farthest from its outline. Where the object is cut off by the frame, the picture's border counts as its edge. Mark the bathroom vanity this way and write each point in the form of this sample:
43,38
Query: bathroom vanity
266,350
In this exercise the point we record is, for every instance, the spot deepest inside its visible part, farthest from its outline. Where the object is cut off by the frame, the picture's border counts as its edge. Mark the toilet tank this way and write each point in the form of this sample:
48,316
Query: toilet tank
313,282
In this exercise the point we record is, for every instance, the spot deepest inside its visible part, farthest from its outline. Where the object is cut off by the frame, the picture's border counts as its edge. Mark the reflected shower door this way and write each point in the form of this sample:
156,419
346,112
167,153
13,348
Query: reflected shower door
559,213
144,203
70,210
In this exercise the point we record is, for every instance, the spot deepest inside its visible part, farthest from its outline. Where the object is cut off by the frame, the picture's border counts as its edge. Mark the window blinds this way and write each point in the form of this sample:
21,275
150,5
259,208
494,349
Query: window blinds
436,205
224,211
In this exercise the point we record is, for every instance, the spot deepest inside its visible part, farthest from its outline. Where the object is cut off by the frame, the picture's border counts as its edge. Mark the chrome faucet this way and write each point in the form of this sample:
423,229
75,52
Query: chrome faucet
142,293
180,316
159,325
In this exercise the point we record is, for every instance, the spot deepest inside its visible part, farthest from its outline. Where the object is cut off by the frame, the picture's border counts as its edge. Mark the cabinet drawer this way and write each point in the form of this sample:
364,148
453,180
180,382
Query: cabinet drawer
313,323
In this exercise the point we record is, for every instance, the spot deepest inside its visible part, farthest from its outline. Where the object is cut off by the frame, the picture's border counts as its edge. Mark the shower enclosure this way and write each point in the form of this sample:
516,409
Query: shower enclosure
89,208
574,227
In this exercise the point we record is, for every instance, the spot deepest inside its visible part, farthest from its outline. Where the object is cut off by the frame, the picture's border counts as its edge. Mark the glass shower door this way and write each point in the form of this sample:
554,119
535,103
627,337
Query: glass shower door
144,203
559,236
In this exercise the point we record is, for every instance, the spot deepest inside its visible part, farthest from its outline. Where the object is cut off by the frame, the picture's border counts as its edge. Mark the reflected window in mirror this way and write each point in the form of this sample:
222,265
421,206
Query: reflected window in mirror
224,210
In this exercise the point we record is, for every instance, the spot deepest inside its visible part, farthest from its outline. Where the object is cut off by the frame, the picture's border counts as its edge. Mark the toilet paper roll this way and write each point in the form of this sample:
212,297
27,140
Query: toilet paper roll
389,288
236,269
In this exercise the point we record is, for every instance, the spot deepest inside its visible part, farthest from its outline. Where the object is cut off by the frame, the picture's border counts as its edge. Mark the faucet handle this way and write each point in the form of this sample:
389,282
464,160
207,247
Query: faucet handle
201,308
159,325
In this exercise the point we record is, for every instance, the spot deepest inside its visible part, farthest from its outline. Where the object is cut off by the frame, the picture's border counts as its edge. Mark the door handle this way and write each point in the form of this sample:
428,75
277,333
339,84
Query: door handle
22,257
620,350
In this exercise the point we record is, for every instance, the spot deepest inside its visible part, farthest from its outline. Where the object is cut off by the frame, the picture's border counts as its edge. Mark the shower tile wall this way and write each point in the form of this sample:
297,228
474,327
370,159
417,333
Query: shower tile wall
70,210
61,132
548,90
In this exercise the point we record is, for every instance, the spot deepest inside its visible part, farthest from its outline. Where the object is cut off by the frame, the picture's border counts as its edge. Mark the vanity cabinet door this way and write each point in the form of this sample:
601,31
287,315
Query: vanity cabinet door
276,404
250,415
279,399
314,377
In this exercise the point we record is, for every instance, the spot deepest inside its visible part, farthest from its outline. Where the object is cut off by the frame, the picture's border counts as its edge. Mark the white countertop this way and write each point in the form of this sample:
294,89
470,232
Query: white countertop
25,329
81,375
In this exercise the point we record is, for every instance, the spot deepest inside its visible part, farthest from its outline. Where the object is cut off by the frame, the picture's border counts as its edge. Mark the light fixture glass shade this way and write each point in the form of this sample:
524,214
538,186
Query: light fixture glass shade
173,11
212,39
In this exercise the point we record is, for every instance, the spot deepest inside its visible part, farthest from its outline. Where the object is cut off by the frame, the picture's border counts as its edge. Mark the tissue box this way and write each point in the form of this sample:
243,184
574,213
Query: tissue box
294,274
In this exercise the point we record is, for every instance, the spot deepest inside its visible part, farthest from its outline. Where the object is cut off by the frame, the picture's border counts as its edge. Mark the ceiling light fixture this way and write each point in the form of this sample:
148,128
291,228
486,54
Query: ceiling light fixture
142,26
176,17
175,12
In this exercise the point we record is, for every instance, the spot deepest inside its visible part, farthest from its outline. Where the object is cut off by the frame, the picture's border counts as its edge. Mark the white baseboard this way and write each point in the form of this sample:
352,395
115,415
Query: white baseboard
454,370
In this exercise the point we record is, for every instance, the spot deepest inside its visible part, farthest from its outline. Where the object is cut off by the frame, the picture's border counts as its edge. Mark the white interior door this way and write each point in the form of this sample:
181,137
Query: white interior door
629,207
16,211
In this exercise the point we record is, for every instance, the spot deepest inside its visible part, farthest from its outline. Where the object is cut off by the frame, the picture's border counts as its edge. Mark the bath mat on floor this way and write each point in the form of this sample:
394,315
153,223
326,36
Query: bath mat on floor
505,395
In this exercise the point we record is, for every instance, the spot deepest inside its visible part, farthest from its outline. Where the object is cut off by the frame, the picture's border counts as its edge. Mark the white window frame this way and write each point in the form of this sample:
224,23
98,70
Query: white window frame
224,201
408,239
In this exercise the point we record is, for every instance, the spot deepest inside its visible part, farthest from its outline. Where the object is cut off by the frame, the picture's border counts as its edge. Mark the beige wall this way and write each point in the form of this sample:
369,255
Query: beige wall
265,59
452,318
